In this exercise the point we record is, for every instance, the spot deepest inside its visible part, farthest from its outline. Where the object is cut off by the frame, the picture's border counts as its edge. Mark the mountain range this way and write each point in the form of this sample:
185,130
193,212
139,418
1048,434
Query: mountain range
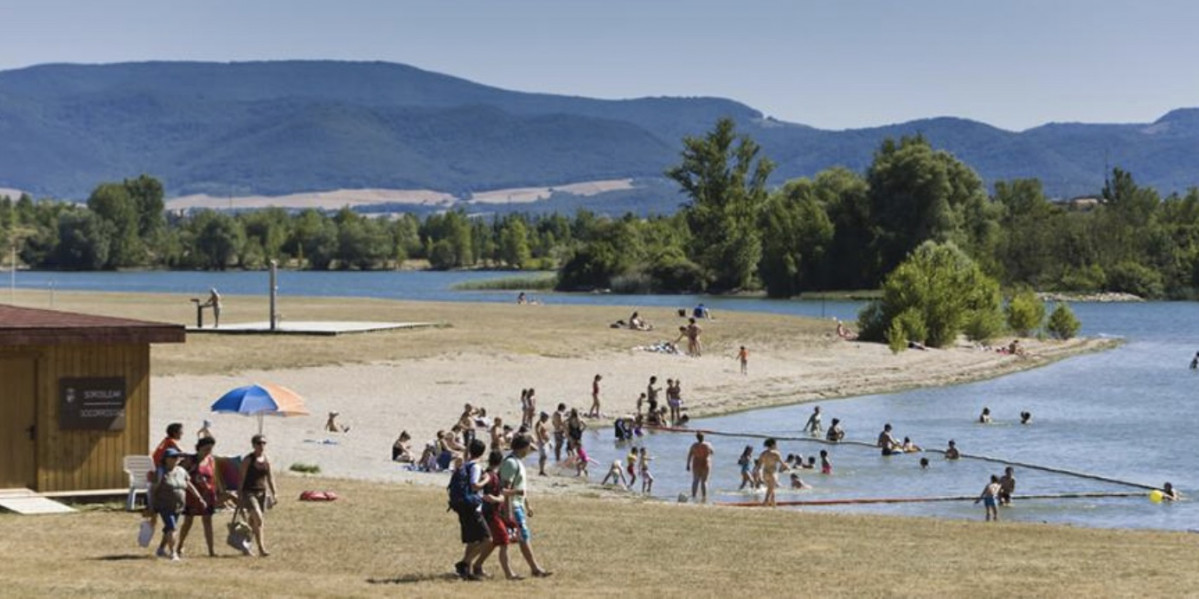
292,126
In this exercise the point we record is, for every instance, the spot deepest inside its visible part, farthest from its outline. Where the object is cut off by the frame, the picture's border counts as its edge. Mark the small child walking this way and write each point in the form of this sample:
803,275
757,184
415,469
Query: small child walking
746,464
743,357
647,478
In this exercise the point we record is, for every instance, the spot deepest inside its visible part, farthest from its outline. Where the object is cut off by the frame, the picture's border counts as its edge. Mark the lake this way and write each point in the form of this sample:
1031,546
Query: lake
1129,413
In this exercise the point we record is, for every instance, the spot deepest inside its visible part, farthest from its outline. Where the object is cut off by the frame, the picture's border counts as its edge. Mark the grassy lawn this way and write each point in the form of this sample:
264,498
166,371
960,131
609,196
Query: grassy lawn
397,540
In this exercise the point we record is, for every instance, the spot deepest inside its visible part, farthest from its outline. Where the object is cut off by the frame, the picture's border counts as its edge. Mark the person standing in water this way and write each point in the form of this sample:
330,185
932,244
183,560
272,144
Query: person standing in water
699,464
989,499
887,441
772,462
1007,485
835,432
814,426
985,417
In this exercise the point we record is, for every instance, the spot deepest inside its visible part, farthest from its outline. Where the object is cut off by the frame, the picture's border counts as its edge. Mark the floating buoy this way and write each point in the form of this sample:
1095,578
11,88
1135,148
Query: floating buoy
1155,496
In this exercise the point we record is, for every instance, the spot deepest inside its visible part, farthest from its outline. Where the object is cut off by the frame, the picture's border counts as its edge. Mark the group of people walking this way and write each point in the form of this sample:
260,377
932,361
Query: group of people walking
191,485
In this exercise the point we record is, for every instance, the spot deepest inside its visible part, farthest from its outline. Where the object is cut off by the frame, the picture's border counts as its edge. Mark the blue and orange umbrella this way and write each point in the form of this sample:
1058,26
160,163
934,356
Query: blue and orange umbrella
267,399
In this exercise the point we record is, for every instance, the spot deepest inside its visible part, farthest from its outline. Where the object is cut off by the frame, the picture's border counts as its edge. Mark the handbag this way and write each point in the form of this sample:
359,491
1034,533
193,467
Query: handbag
239,532
145,533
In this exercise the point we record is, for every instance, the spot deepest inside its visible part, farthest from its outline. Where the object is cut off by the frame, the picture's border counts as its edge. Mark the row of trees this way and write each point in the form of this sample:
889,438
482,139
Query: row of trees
845,230
836,230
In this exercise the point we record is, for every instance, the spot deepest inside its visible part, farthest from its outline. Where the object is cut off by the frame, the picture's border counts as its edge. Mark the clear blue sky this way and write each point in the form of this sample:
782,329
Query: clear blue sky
828,63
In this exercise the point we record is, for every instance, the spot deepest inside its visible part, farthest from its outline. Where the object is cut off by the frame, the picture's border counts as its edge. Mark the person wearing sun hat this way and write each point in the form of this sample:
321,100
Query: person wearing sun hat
168,498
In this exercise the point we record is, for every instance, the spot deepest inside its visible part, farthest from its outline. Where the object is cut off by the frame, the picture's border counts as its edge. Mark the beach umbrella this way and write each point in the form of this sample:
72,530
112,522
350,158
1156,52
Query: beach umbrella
267,399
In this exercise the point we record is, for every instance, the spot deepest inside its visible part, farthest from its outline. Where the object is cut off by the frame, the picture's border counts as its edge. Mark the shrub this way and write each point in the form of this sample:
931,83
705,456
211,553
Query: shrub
938,282
1062,323
1025,313
908,326
303,468
984,325
634,283
1087,278
1137,279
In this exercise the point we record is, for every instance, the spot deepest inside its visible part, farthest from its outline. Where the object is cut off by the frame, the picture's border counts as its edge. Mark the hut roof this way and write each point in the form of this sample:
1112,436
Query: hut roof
34,326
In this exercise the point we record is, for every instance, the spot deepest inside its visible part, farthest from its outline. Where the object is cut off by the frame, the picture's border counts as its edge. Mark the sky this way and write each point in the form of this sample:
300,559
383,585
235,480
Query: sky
833,64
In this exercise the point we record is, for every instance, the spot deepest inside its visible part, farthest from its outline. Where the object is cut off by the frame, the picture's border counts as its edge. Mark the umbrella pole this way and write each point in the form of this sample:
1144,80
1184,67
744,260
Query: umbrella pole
260,423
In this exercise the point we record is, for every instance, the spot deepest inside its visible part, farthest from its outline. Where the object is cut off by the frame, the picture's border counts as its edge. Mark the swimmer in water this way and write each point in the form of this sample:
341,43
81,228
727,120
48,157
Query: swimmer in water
798,483
1025,417
985,417
952,452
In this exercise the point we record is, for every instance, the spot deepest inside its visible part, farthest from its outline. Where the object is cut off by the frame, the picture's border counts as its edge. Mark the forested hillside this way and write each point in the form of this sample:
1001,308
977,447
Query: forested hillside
293,126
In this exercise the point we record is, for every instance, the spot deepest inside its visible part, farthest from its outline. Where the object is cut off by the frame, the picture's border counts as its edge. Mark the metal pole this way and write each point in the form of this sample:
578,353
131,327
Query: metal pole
12,277
274,292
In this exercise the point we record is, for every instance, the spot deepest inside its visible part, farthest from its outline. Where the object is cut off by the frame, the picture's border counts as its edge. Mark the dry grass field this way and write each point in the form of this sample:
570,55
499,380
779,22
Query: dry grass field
398,541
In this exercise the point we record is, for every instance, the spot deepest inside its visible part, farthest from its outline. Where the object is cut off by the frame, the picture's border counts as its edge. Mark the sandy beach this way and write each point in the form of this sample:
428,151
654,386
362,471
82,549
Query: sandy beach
378,399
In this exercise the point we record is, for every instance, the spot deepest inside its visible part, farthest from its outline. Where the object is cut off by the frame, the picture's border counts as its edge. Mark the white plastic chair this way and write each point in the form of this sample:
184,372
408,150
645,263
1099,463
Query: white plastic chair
138,468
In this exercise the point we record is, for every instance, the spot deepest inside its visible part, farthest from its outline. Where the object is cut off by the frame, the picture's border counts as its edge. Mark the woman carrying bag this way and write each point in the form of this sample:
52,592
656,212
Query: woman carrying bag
257,493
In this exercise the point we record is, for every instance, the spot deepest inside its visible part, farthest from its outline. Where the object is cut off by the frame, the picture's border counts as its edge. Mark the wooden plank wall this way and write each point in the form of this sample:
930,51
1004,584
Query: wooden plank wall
74,460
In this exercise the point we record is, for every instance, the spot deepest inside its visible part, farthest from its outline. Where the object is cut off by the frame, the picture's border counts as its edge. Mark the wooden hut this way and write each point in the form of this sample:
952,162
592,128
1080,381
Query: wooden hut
74,397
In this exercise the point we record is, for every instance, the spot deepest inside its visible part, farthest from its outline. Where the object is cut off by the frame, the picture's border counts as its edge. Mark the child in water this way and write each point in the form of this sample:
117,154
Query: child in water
581,461
647,479
798,483
631,459
826,465
615,474
746,464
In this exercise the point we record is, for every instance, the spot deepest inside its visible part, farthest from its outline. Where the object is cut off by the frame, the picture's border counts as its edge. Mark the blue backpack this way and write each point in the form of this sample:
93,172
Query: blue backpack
462,496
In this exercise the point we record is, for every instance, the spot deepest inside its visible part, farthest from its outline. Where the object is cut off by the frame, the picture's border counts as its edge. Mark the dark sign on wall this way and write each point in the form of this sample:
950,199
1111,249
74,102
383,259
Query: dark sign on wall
94,404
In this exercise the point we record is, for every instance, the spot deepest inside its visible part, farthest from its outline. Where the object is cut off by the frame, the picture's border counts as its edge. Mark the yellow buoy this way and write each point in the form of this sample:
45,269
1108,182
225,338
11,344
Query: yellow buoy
1155,496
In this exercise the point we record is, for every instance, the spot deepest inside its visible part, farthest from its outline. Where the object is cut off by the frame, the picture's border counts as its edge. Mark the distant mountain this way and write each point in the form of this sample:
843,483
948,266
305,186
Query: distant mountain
285,127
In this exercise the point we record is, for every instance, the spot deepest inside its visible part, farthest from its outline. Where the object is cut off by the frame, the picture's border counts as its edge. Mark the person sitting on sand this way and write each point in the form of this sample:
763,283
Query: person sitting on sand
798,483
522,299
1014,348
400,452
332,426
952,453
428,459
985,417
910,447
1025,417
844,332
637,324
835,432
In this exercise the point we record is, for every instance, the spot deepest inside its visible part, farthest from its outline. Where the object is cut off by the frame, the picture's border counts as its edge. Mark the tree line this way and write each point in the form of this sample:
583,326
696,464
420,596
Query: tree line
838,230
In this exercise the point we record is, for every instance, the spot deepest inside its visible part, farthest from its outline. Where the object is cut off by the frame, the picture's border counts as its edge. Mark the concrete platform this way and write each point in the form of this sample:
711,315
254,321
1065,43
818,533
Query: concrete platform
328,328
26,501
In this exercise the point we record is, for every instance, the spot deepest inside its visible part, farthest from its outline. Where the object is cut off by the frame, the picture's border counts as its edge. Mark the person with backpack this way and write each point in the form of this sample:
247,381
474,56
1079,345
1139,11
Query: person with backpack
464,487
513,479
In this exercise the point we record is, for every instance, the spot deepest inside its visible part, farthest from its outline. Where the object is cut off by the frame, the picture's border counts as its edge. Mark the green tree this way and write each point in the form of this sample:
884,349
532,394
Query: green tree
218,241
314,239
82,241
937,289
726,181
1062,322
112,203
1025,312
920,194
514,244
796,234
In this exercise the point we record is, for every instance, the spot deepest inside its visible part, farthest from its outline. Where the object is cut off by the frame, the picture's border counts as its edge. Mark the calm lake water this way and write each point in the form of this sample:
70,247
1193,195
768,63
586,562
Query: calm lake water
1129,413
